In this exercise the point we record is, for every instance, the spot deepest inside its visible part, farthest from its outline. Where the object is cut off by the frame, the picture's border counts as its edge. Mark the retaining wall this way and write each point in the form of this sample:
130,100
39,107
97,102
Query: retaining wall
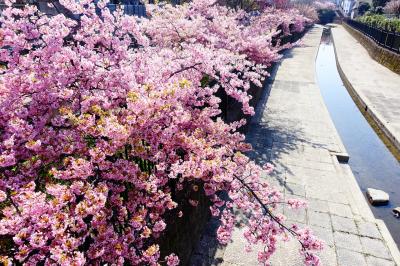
385,57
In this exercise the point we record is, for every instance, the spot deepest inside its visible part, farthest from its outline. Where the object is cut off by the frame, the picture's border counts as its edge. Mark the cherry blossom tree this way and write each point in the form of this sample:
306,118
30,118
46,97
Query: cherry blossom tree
103,119
393,7
307,10
324,5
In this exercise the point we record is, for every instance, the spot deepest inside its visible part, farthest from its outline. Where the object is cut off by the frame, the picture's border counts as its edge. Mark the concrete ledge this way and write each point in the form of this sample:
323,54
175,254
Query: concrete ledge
377,122
383,56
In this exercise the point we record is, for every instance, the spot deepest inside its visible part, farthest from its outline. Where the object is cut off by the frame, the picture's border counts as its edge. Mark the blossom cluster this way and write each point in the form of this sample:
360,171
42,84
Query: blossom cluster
392,7
310,9
324,5
104,118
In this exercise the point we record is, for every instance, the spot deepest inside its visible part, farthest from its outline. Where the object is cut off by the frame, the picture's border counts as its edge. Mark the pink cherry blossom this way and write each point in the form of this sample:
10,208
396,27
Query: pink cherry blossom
268,167
296,203
106,118
172,260
3,196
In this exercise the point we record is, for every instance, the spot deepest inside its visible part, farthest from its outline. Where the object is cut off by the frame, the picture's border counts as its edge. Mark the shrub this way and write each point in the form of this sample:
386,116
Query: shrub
380,21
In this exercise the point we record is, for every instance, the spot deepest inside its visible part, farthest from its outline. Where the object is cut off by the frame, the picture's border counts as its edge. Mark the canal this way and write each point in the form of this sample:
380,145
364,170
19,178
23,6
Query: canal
370,160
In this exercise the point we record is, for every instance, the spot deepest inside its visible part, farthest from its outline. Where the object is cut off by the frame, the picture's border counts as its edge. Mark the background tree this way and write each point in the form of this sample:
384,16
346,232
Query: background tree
363,7
378,3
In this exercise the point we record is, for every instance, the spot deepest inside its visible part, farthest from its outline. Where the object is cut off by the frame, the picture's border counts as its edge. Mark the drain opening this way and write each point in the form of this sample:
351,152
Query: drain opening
342,157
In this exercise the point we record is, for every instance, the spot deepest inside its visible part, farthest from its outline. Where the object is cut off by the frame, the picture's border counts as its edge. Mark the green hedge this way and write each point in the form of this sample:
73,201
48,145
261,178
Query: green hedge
380,21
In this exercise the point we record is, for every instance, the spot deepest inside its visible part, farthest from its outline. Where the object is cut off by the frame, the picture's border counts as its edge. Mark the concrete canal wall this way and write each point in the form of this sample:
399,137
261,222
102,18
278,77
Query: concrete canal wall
376,88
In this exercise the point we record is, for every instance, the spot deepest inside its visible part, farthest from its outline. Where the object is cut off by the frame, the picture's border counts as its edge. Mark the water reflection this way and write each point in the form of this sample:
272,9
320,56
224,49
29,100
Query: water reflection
371,162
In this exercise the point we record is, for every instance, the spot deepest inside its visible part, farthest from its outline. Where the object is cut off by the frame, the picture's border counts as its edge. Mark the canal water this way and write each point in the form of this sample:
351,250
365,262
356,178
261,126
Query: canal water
371,162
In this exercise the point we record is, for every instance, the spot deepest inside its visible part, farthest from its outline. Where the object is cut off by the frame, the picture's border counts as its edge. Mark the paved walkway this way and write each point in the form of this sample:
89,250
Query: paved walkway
377,87
295,132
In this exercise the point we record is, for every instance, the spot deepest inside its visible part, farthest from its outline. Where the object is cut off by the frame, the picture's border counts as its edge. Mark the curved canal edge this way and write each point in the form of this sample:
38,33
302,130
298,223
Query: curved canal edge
379,128
371,163
373,119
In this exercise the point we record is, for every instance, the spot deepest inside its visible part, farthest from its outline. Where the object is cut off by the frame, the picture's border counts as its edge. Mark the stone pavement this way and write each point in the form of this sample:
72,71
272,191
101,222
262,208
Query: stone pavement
377,87
293,130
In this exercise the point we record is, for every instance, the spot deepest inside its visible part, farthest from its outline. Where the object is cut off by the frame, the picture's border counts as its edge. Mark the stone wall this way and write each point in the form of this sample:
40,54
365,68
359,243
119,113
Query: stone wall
183,233
385,57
